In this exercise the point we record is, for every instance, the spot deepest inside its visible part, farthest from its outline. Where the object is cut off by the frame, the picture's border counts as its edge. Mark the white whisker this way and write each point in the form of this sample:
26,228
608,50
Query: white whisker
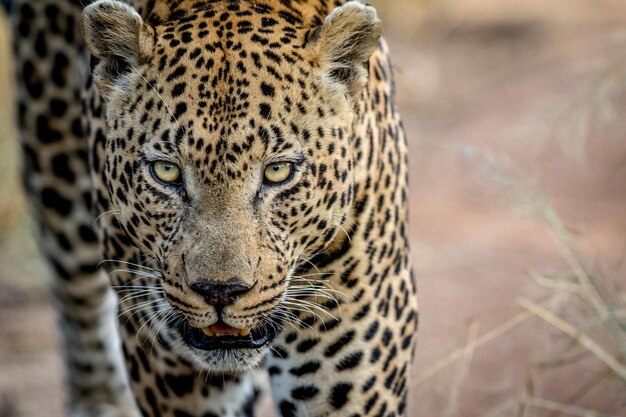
114,211
124,262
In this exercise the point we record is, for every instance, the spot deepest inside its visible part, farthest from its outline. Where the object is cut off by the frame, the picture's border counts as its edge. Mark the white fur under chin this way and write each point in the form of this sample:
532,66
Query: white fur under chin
224,361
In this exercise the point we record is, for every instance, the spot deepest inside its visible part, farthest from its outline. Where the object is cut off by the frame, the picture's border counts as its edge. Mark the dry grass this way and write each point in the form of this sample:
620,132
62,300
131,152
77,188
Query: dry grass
585,317
587,309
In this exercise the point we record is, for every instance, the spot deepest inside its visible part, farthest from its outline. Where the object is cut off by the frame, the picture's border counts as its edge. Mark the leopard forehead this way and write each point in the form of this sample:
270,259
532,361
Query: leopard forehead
219,77
223,93
224,87
227,62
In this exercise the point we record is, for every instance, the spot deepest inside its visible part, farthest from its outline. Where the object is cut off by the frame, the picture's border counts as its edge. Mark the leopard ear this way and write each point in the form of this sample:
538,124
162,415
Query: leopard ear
345,42
118,37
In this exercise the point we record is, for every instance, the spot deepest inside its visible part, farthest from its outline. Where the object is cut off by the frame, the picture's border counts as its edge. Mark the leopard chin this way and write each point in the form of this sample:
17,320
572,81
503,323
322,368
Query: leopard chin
226,361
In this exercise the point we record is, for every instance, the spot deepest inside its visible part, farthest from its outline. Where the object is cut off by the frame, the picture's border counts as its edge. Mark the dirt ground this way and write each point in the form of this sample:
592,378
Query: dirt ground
511,107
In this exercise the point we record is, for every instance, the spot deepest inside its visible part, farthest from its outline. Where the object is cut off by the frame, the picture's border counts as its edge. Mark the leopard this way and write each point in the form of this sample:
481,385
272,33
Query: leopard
221,192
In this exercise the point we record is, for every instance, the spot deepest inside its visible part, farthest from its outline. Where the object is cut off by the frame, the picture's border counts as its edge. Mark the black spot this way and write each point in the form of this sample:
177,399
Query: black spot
307,368
267,90
375,355
63,241
287,409
401,408
32,80
181,108
30,158
45,132
265,110
186,37
87,234
274,371
53,200
370,403
178,89
88,268
362,313
304,393
161,386
249,406
77,127
343,340
387,335
178,72
180,384
26,15
280,352
368,384
144,360
59,69
329,325
273,57
268,22
133,368
390,378
58,107
307,345
40,45
371,331
152,401
59,269
61,168
339,394
350,361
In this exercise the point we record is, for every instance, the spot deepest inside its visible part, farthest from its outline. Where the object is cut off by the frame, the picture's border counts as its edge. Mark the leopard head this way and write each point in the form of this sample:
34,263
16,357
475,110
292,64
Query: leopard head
229,159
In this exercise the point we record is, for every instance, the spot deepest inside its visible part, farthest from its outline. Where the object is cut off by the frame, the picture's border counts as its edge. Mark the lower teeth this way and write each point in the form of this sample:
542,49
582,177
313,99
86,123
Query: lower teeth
210,333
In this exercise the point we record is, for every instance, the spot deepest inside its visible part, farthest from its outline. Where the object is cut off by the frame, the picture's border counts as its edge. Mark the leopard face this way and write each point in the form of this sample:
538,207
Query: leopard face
228,157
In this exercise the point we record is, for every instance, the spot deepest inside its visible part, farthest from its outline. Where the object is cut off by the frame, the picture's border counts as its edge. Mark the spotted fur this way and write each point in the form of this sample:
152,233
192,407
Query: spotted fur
221,89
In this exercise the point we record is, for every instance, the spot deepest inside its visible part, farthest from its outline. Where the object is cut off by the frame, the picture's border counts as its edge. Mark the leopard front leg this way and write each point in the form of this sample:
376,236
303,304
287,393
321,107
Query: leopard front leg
356,363
51,66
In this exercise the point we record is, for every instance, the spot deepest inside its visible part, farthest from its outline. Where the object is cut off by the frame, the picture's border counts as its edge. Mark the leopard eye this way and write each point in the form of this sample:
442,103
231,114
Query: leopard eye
278,172
165,172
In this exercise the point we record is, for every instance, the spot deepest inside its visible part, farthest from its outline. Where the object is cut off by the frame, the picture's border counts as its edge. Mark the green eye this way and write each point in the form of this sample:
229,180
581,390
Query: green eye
166,172
277,172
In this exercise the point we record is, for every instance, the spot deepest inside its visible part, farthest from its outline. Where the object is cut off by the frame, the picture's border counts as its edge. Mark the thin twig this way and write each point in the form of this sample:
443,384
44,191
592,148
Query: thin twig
592,383
572,332
485,338
572,410
452,407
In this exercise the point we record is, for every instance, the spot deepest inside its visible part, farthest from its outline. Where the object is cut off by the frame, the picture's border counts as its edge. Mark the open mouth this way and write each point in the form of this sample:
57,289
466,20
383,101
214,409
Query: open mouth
221,336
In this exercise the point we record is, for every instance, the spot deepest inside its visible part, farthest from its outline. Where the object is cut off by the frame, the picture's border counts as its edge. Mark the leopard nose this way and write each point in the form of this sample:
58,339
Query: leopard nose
219,293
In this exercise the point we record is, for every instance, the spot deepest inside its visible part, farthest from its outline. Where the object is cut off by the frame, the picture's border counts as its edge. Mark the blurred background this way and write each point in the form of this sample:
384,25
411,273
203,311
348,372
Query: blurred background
516,117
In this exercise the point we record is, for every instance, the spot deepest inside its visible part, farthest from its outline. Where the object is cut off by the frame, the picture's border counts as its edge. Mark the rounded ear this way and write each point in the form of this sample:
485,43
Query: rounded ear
118,37
346,41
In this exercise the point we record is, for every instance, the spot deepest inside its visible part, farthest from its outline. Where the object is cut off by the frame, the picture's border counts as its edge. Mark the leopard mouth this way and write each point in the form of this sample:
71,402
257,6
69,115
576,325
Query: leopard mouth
220,336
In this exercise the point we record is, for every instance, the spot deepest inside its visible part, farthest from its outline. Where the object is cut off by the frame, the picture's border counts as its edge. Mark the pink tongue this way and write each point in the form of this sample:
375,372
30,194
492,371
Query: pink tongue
221,329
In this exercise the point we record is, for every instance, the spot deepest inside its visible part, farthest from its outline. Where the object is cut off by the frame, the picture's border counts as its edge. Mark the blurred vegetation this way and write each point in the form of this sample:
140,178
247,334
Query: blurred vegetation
586,311
21,267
